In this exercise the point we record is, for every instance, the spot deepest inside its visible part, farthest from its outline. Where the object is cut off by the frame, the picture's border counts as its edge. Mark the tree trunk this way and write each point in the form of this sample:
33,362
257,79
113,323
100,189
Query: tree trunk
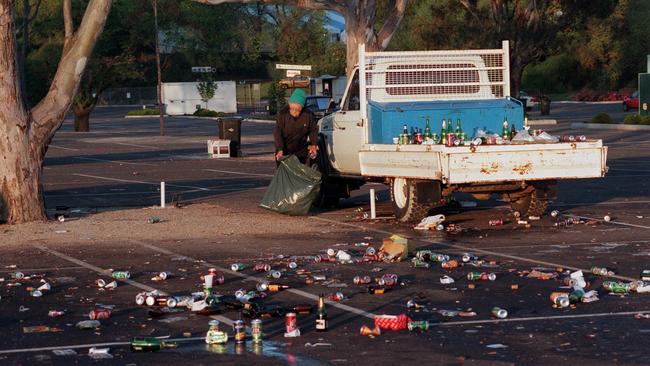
21,198
516,73
25,135
82,118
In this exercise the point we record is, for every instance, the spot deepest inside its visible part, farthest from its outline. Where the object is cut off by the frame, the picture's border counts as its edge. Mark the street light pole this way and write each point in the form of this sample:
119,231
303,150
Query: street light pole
159,83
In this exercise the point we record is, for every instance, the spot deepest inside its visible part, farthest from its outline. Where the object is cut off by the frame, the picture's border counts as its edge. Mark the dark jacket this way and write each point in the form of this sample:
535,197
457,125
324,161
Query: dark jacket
290,134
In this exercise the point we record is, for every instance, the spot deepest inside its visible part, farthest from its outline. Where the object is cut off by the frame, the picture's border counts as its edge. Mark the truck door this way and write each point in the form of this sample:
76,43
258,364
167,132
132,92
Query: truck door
347,132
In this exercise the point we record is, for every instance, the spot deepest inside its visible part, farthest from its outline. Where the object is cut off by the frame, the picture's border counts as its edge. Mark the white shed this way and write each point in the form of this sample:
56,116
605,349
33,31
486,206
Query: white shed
184,98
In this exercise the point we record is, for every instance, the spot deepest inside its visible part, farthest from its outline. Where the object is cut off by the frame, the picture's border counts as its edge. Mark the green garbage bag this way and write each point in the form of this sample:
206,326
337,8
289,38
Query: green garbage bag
293,189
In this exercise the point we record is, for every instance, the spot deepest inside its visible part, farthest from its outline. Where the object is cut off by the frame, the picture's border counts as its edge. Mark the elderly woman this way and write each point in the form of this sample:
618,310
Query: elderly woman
296,130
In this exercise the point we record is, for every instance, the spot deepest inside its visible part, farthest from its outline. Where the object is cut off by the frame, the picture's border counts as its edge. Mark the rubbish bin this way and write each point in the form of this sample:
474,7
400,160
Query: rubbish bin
544,105
230,129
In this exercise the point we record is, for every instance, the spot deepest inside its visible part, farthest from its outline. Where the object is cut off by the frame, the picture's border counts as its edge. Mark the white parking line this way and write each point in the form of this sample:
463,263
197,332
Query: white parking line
552,317
138,181
621,223
106,272
112,161
598,203
238,173
467,248
569,245
62,148
89,345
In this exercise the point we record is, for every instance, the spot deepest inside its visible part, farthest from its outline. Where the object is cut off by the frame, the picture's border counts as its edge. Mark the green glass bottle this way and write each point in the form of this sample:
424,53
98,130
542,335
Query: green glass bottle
443,132
506,131
459,132
149,344
427,130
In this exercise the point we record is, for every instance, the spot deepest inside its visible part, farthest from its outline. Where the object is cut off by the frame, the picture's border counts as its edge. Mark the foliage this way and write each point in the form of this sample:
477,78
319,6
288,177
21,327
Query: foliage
206,88
602,118
144,112
635,119
201,112
277,97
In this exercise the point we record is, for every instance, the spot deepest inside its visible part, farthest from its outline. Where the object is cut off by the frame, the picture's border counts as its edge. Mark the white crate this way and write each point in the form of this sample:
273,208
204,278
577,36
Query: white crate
219,148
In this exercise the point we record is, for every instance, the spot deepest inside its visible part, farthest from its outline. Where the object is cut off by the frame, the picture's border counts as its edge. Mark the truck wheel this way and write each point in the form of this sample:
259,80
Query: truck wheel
412,199
534,204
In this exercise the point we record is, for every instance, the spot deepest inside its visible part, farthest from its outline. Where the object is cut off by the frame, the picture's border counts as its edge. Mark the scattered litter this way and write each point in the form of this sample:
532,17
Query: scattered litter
318,344
445,280
430,223
496,346
173,319
41,329
64,352
98,353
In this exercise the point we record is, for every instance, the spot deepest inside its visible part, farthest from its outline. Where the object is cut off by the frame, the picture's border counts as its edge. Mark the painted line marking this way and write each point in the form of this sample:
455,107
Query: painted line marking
552,317
133,145
610,222
112,161
246,277
76,346
39,269
138,181
467,248
63,148
568,245
238,173
598,203
108,273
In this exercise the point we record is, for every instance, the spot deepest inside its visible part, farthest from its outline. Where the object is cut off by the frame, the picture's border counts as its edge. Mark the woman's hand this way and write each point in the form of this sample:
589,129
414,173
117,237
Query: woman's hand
278,155
313,151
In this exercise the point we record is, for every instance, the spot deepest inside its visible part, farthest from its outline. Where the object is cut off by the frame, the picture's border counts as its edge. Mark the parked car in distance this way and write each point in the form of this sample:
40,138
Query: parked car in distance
530,100
631,102
319,105
298,81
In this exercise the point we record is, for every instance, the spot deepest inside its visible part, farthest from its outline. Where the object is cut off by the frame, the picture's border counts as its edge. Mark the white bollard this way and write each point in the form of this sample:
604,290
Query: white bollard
162,194
372,204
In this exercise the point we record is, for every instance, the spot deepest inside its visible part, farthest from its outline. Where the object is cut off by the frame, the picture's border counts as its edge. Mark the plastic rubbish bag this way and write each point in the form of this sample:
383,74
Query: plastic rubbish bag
293,189
430,222
523,137
545,137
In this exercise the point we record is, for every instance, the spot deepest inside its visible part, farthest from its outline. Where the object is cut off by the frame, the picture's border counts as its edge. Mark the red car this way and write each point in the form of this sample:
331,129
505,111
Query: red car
631,102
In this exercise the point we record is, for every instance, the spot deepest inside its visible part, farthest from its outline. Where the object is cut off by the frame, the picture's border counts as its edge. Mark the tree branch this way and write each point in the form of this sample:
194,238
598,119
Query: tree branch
338,6
398,7
68,23
36,6
49,112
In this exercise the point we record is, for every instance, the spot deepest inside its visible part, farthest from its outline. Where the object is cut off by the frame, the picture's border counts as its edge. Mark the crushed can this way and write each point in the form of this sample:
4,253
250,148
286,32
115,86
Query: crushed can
362,280
388,279
422,325
121,275
99,314
499,313
262,267
236,267
560,299
450,264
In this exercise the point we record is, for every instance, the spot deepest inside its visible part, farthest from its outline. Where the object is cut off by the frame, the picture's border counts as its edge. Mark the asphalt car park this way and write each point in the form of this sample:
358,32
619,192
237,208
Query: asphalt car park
108,180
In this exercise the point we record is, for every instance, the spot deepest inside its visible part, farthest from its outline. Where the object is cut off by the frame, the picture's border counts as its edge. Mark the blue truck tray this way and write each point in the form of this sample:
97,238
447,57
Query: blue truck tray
386,120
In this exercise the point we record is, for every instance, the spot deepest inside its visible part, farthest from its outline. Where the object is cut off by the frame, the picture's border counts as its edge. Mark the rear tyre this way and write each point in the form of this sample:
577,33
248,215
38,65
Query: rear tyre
412,199
533,204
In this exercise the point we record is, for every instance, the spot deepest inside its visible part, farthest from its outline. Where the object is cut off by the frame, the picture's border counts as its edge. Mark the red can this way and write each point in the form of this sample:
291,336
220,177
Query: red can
262,267
389,279
55,313
495,222
362,280
324,257
449,142
99,314
212,271
291,322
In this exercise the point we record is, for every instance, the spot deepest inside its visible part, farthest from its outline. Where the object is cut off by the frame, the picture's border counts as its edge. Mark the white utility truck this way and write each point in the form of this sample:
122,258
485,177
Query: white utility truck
391,91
